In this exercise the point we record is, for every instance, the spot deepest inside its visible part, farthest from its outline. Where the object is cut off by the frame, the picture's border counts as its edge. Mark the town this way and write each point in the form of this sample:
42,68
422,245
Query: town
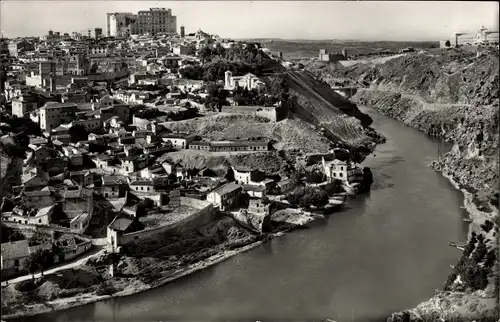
97,132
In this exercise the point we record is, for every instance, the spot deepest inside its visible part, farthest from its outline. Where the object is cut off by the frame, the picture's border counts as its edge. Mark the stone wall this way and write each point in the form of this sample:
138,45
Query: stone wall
205,213
140,123
268,112
29,230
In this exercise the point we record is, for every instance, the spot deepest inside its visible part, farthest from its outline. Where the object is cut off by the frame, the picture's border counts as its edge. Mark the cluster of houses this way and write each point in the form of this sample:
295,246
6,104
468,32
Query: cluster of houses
100,104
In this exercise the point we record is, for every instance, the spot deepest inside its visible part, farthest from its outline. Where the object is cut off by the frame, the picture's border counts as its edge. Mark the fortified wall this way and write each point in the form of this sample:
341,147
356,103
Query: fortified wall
205,213
273,114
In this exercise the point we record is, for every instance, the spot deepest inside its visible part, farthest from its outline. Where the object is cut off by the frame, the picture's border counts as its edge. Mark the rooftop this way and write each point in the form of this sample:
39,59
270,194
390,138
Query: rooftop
227,188
14,250
121,223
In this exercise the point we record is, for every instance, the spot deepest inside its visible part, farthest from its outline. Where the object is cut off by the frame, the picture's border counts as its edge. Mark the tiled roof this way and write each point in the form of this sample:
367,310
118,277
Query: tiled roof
15,250
77,193
121,223
254,188
141,183
58,105
36,193
241,168
113,180
227,188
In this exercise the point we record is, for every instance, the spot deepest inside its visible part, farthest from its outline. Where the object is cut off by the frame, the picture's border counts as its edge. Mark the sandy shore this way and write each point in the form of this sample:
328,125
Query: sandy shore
136,286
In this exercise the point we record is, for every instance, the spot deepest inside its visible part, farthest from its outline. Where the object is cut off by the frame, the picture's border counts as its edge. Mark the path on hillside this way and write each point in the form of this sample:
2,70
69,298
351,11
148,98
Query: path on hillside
78,262
425,105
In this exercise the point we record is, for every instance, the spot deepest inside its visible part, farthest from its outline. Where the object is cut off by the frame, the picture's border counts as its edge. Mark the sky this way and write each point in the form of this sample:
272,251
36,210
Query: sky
361,20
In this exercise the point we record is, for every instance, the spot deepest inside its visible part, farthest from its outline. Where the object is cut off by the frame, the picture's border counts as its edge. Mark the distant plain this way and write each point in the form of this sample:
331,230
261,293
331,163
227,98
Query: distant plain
303,48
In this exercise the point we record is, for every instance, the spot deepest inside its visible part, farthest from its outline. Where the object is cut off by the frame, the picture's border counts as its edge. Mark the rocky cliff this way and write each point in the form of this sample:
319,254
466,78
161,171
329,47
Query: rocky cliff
451,94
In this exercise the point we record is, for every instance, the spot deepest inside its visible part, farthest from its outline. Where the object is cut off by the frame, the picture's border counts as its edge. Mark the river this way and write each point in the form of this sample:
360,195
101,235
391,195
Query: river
384,252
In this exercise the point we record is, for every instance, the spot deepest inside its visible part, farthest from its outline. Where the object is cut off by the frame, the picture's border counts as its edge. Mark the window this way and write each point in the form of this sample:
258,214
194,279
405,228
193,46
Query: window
74,252
340,174
142,188
136,237
16,262
335,174
39,221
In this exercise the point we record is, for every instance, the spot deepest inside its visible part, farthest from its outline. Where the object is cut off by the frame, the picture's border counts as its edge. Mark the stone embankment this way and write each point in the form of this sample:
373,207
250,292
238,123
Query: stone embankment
453,95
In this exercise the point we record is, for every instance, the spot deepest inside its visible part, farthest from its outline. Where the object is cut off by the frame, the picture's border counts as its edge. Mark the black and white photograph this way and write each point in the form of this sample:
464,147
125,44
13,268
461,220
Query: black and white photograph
254,161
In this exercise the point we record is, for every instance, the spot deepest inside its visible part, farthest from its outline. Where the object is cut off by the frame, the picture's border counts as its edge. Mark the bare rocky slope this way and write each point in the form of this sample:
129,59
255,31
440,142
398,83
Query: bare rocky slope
451,94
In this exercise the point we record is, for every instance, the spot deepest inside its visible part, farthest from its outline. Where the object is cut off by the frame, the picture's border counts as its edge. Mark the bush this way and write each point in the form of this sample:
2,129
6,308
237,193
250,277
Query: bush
307,196
69,292
487,226
333,187
315,177
26,286
105,290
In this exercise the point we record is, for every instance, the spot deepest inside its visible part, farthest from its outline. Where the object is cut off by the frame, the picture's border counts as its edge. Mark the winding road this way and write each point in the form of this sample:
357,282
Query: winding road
78,262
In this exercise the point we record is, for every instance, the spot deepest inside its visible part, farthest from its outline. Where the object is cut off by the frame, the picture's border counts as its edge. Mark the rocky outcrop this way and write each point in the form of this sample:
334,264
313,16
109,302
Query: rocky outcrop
337,118
453,95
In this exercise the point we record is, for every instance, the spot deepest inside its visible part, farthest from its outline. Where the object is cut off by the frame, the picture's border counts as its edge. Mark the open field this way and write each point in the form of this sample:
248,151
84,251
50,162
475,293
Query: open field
294,49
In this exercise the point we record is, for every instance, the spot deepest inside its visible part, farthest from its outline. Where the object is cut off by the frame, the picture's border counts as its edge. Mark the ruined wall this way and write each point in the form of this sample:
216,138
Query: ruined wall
268,112
203,215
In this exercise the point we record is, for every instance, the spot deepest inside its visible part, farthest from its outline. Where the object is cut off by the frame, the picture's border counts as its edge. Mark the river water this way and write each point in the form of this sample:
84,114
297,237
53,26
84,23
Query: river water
384,252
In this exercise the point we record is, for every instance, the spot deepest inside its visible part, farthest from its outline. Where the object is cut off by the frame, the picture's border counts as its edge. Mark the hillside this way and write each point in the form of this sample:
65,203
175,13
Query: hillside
285,135
452,94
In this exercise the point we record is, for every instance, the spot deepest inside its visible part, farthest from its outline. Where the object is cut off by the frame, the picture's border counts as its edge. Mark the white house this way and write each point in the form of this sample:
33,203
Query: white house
248,81
225,196
342,170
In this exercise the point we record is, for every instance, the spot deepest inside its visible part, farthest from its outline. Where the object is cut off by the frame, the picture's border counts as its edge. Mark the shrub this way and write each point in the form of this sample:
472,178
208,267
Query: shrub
26,286
487,226
315,177
105,290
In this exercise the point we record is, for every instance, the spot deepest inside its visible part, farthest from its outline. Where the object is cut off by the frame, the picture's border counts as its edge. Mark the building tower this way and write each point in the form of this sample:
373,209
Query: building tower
98,33
183,32
51,33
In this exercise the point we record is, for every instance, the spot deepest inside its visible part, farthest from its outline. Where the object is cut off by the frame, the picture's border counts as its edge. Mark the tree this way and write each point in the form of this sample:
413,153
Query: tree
78,133
143,206
32,265
38,238
11,234
39,260
320,198
315,177
172,178
447,43
229,174
333,187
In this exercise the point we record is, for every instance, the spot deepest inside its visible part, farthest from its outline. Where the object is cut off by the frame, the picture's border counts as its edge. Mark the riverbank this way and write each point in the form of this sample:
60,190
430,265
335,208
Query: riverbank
129,286
453,95
456,302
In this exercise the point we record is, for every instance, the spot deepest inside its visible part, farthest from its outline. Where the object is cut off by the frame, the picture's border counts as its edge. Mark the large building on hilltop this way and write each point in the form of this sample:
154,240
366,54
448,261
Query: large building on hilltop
121,24
152,21
156,20
482,37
